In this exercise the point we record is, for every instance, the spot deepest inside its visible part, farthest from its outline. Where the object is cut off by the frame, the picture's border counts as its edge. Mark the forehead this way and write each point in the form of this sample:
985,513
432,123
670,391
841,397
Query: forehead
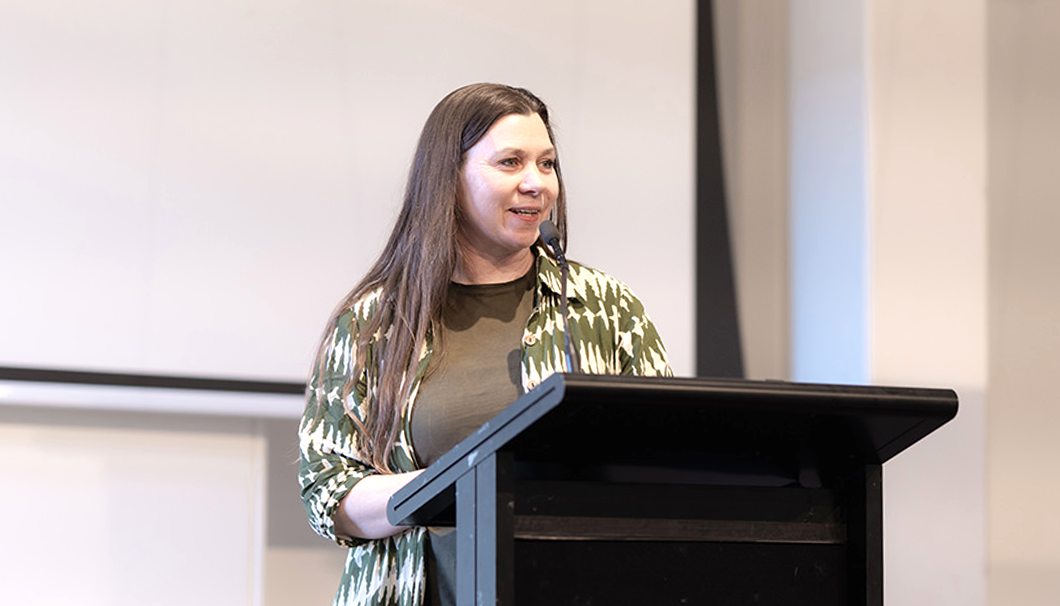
516,131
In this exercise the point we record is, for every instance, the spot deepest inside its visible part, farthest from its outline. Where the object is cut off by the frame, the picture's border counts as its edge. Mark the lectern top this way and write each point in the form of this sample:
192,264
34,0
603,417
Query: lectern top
688,430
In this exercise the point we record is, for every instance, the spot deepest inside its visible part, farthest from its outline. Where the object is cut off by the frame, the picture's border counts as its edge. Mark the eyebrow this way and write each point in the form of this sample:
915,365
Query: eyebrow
551,150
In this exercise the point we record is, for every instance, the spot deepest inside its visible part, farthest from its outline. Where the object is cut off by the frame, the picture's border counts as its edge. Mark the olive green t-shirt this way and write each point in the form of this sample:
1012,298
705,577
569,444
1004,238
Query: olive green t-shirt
474,372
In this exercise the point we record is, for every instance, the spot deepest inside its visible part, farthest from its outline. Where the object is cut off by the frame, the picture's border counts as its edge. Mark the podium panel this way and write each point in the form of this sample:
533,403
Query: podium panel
679,573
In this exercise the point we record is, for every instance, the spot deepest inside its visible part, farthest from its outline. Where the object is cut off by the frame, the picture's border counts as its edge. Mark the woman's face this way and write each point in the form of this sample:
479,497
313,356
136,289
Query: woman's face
508,187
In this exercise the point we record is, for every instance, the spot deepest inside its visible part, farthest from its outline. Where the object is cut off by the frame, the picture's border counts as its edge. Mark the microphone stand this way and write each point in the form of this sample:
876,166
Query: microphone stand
550,235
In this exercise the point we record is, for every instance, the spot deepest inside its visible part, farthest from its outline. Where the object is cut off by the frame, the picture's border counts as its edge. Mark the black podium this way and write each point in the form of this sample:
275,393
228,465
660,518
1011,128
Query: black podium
605,490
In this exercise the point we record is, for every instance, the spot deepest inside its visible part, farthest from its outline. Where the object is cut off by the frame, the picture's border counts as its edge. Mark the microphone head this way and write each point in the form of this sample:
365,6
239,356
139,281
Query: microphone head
549,233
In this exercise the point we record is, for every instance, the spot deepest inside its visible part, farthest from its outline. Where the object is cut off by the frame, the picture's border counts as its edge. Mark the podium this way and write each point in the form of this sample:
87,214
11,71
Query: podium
612,490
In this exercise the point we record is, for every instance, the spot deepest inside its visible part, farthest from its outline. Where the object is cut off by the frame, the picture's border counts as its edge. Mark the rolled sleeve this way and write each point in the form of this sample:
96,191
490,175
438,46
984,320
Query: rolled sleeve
326,475
330,463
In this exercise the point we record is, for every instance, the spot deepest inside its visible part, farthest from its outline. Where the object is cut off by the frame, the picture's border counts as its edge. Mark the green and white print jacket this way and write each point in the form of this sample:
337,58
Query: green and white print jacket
613,335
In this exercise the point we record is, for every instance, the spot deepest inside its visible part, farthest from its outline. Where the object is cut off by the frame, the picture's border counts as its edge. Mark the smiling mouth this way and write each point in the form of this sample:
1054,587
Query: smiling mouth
526,212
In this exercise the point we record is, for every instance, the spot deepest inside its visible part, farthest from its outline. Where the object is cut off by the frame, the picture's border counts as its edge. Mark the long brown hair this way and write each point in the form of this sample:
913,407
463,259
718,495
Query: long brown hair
413,273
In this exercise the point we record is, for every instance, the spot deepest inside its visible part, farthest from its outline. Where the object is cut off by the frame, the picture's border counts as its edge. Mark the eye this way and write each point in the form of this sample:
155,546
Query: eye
549,164
509,162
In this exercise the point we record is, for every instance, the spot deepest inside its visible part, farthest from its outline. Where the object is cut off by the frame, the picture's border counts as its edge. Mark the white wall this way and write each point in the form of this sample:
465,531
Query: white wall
117,508
889,258
886,159
963,99
928,283
1024,538
188,188
829,165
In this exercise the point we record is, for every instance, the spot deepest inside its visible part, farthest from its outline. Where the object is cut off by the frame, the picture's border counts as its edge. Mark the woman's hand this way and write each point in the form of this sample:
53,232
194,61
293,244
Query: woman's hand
362,513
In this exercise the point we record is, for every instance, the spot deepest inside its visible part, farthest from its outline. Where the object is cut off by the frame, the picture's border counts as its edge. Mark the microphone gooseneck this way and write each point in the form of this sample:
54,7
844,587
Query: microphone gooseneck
550,235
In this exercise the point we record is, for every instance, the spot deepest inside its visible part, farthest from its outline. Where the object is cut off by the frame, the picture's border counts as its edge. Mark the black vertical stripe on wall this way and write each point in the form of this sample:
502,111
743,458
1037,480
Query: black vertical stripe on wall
718,349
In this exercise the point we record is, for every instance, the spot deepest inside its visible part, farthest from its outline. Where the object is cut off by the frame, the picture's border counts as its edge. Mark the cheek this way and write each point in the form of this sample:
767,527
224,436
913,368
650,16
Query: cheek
471,195
480,190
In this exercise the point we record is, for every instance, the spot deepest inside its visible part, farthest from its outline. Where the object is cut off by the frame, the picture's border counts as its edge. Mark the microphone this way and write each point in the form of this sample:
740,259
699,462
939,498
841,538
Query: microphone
550,235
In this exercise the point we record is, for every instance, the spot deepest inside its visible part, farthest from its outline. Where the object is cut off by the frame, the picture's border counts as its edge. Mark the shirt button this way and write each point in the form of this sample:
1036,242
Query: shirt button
529,338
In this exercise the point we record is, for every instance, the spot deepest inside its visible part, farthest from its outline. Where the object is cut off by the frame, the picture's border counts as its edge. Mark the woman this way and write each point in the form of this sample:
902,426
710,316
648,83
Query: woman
458,317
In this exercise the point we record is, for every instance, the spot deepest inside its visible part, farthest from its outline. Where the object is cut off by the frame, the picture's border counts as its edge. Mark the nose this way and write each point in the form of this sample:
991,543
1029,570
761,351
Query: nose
532,182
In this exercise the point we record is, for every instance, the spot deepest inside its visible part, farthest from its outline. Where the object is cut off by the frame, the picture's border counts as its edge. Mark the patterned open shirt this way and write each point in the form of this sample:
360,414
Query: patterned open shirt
613,335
